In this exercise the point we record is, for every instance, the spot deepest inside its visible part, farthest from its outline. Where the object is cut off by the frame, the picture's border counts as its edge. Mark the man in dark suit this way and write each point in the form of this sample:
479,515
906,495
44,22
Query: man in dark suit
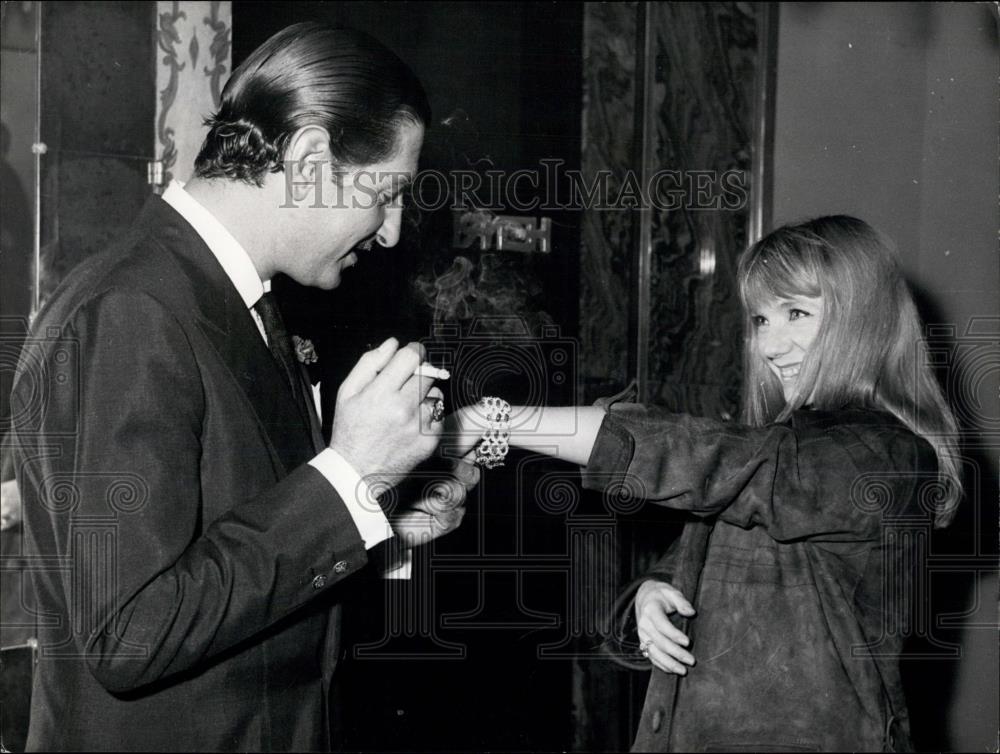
187,529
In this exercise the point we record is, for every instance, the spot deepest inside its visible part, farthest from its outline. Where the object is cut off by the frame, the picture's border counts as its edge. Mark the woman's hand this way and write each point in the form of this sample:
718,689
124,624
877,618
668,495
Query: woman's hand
665,643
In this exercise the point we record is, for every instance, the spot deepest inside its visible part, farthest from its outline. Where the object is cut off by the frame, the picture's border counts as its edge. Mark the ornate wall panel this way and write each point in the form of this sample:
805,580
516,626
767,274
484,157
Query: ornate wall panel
194,61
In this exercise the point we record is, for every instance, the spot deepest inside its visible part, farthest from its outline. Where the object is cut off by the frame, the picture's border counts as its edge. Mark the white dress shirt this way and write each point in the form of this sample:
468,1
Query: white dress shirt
367,515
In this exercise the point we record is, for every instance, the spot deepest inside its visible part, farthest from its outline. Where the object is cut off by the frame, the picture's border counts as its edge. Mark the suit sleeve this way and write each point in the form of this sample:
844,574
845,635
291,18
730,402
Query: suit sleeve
828,484
171,593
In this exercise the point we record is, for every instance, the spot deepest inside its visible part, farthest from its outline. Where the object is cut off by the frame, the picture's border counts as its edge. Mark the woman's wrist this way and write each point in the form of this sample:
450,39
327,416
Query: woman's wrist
565,432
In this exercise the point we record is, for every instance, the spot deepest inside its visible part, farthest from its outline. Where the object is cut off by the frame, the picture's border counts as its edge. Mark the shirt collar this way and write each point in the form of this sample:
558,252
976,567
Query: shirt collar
227,250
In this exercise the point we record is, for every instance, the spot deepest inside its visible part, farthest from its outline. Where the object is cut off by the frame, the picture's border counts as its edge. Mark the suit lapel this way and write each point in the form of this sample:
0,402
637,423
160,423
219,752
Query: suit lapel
249,360
224,318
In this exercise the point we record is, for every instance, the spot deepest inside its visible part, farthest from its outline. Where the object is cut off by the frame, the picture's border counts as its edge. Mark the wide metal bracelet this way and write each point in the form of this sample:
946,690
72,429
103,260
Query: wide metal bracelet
493,448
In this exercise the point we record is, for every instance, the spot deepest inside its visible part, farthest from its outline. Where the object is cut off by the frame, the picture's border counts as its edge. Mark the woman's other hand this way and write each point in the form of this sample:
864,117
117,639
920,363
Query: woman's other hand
665,643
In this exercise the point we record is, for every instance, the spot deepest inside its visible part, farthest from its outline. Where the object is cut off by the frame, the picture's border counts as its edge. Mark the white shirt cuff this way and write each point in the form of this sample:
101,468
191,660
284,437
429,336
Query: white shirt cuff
356,494
401,570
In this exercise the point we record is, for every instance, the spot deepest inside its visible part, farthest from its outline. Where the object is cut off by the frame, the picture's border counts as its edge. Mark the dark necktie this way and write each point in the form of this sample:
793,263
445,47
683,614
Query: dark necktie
280,344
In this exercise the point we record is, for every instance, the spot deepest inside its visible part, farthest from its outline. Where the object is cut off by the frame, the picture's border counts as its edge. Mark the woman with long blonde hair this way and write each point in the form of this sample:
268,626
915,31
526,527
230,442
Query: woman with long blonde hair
777,618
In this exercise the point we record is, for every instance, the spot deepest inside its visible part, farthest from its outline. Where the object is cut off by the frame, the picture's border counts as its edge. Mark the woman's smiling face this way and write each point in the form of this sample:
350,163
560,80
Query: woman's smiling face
784,330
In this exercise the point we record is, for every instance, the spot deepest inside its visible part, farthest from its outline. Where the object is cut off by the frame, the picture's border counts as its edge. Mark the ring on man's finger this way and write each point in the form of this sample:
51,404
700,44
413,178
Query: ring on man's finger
437,413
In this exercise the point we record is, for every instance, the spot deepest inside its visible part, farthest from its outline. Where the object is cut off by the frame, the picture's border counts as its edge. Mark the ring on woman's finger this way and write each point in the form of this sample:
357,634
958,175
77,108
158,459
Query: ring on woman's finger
644,648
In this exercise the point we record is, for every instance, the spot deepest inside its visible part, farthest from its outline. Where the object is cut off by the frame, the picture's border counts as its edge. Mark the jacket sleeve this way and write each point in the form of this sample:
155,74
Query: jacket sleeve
825,483
168,593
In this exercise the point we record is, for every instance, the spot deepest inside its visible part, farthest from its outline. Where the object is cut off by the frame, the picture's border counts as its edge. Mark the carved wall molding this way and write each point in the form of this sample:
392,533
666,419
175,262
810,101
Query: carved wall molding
189,84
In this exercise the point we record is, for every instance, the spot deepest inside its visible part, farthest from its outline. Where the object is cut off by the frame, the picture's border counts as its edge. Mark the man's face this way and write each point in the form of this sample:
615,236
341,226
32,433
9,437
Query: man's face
365,208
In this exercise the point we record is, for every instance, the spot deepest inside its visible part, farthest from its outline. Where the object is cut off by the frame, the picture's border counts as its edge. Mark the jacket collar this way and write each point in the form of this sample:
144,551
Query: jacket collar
230,254
205,291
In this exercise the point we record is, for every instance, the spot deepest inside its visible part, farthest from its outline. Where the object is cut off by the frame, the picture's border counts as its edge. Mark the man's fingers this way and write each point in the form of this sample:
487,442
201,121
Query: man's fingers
400,369
425,505
417,348
422,388
434,394
466,472
450,519
449,493
367,368
442,496
415,527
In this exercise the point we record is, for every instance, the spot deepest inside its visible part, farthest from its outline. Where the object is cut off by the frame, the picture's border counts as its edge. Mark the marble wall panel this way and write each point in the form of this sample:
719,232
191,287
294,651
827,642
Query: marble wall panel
698,122
600,694
704,103
609,51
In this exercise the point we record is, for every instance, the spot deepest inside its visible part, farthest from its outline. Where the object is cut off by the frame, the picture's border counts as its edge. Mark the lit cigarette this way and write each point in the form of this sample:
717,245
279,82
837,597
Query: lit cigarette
428,370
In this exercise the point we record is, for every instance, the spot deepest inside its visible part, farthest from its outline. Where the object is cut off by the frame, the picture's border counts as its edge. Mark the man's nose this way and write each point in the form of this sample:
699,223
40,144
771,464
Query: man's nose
388,234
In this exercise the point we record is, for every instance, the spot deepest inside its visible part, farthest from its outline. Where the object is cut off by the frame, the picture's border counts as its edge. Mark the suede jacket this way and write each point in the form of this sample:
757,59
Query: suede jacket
800,560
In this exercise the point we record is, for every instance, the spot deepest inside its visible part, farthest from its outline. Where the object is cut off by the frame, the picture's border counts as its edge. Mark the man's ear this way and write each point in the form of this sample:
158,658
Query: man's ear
308,164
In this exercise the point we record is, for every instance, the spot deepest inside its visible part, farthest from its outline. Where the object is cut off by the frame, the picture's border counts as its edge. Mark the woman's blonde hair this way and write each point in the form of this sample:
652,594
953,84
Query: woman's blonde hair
869,351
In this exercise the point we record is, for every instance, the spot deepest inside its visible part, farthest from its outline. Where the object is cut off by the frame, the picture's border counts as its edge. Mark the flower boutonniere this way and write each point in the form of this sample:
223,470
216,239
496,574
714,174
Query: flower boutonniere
305,351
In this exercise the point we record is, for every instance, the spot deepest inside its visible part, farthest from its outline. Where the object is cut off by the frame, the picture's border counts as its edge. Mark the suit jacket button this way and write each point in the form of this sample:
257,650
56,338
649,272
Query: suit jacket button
319,582
657,720
340,566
